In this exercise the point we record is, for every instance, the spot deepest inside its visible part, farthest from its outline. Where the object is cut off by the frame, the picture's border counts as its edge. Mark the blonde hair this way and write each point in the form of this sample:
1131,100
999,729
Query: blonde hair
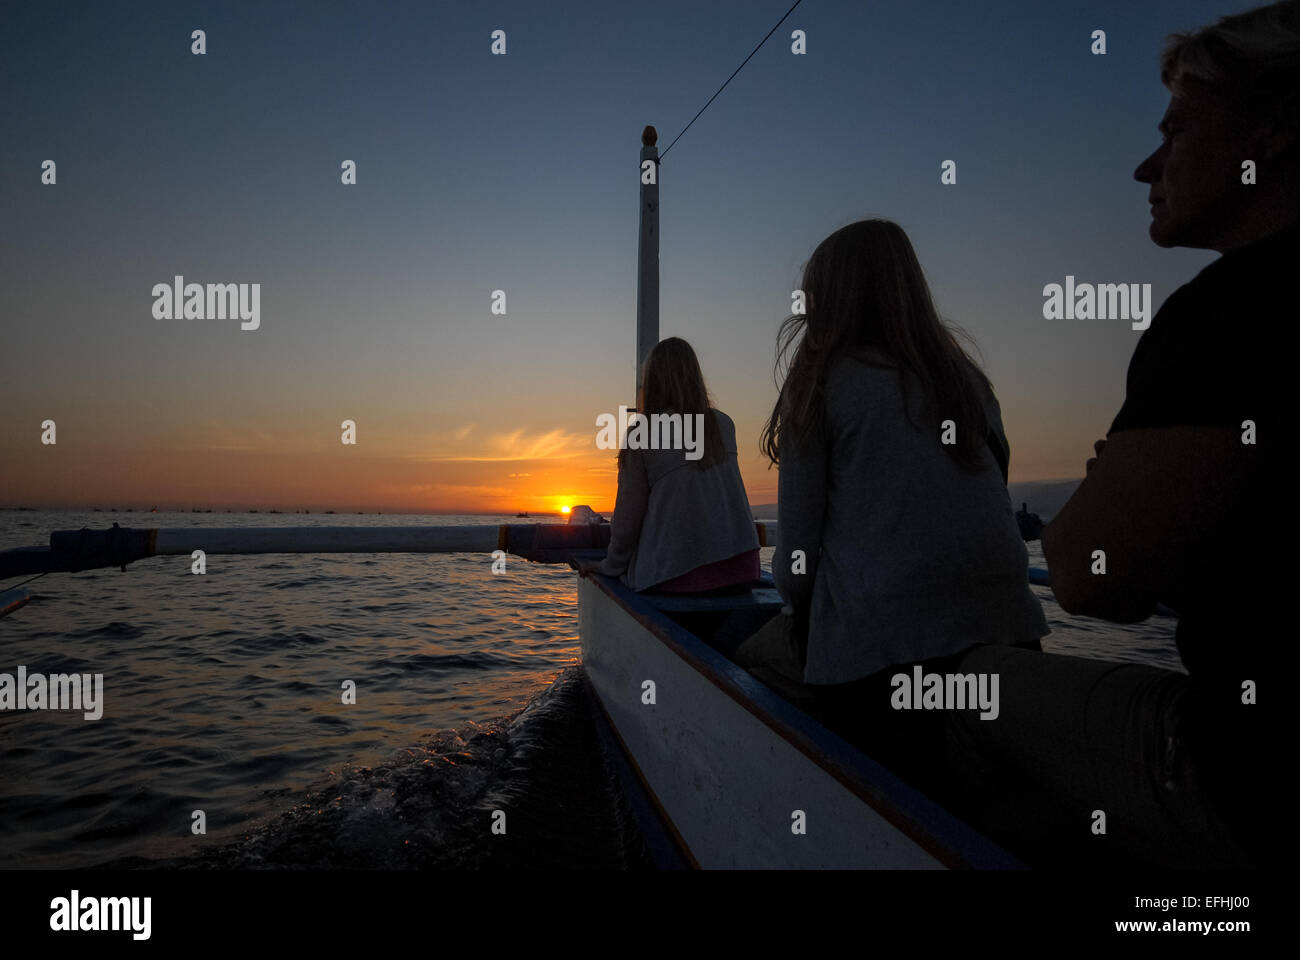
1251,58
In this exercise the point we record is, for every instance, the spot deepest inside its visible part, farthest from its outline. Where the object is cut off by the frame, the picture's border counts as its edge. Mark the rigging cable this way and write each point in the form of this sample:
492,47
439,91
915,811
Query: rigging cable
729,79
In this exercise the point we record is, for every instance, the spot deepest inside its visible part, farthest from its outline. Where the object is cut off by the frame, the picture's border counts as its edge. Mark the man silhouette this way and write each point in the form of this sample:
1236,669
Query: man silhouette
1174,764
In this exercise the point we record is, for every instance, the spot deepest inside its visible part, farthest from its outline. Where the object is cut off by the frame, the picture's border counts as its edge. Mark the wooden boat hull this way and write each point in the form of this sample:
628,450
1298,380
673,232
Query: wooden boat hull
732,769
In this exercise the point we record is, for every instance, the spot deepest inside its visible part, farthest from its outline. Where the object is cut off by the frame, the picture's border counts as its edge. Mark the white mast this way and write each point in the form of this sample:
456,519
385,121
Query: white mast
647,278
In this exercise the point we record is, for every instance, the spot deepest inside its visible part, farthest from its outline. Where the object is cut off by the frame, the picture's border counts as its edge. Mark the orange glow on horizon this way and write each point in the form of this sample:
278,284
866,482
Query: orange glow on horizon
176,474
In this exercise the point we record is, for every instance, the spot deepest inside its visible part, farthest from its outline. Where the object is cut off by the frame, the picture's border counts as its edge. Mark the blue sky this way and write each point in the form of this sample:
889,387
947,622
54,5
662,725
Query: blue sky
519,172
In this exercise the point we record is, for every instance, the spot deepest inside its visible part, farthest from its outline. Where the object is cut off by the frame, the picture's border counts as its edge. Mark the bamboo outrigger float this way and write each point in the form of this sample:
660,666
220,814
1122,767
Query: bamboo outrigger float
71,551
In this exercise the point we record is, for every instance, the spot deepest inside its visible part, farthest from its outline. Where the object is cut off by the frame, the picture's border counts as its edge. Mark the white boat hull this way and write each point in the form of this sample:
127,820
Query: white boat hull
741,778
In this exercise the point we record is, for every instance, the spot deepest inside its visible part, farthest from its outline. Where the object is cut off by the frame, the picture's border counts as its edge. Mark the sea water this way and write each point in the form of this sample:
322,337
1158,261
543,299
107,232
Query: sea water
223,694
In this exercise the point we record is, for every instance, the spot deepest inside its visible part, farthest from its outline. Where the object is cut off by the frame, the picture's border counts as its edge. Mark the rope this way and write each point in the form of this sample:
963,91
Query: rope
28,580
729,79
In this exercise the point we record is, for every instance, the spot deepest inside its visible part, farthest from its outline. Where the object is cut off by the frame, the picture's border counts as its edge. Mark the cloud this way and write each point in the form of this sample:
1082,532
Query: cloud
215,435
517,445
442,492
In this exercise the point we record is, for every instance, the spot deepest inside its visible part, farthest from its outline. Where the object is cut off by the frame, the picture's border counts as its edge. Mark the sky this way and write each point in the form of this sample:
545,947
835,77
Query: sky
519,172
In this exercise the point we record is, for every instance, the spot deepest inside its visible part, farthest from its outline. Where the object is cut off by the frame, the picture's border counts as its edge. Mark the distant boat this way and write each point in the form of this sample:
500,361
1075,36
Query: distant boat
1030,524
524,514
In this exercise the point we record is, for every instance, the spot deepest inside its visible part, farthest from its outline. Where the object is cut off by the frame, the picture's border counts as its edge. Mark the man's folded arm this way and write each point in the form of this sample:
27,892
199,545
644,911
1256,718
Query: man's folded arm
1139,520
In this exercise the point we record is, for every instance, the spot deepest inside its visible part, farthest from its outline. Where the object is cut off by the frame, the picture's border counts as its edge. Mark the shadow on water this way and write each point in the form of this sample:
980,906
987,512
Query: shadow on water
431,806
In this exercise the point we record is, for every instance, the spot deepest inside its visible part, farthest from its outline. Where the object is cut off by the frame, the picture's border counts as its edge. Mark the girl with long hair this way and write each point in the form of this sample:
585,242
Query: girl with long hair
897,543
681,522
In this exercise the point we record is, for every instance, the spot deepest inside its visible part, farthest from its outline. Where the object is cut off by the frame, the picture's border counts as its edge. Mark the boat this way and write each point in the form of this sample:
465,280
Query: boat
719,769
1030,524
524,514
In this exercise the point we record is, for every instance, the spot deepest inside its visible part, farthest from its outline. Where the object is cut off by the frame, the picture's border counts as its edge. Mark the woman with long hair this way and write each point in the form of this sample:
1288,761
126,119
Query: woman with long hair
897,543
681,522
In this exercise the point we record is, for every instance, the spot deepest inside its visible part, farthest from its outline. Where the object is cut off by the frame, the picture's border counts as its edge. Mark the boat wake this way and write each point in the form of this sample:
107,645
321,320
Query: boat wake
433,805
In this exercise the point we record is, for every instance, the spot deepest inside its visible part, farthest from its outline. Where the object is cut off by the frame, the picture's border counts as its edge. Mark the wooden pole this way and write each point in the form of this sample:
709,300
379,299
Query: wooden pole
647,278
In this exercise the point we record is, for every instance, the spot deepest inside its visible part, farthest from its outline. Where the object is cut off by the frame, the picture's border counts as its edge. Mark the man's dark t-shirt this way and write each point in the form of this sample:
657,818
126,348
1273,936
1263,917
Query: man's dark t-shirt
1211,358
